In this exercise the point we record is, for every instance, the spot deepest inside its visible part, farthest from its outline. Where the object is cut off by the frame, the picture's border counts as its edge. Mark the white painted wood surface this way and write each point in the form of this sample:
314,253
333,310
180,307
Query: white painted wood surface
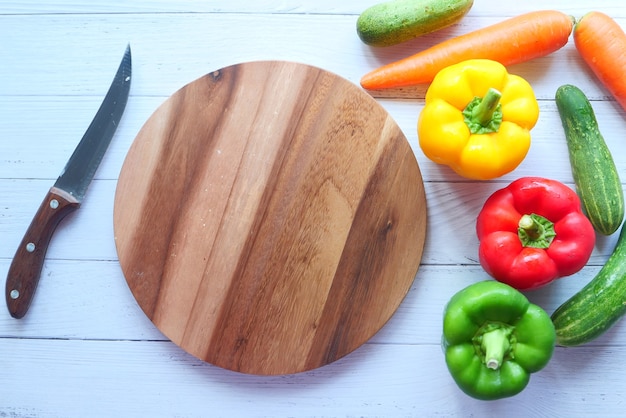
86,349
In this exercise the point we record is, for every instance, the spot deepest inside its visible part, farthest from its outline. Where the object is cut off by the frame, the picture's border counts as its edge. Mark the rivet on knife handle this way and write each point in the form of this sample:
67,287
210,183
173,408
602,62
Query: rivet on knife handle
26,268
67,193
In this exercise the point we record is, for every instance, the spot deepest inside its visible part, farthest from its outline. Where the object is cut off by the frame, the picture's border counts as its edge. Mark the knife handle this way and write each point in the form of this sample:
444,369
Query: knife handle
25,269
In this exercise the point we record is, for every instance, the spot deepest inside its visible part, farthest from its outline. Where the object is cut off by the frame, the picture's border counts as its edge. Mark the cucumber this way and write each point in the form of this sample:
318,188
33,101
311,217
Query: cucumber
397,21
596,307
595,175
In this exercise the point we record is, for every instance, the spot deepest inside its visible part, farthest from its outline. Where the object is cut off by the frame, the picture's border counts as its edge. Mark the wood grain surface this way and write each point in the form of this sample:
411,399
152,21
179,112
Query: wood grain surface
86,349
270,217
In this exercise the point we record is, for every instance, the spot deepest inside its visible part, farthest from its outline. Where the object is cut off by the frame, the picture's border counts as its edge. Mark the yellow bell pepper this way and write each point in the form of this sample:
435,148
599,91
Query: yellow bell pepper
477,119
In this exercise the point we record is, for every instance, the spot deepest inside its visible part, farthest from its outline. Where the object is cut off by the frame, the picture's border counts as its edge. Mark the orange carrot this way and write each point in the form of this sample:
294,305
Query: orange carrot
601,43
511,41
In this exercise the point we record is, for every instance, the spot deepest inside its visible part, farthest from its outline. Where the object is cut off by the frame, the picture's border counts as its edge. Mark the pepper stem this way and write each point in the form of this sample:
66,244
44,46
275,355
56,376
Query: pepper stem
495,345
535,231
484,115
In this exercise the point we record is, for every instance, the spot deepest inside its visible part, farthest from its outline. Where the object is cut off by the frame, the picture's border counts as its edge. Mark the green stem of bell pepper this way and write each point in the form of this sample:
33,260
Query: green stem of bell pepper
495,344
535,231
483,115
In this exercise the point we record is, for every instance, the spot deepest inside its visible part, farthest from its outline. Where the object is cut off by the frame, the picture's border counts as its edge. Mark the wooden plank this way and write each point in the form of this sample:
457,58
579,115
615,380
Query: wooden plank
41,133
164,60
88,234
89,300
156,379
486,8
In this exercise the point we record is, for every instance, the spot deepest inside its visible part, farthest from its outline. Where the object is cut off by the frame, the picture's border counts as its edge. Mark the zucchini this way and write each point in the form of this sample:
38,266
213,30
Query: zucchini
596,307
595,175
397,21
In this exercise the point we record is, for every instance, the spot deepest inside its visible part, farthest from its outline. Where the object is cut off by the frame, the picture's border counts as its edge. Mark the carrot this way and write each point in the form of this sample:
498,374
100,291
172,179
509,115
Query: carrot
518,39
601,43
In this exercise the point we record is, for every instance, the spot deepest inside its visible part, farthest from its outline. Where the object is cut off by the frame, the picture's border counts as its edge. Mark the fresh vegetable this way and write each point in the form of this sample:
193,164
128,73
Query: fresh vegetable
596,307
511,41
532,232
601,43
477,119
494,338
596,177
397,21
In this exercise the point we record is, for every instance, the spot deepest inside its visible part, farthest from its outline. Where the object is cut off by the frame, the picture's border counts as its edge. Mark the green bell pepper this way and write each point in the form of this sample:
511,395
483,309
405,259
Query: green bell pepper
494,338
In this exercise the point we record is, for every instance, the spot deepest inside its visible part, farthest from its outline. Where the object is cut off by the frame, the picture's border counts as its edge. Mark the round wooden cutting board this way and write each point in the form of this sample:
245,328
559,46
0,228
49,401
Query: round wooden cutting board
270,217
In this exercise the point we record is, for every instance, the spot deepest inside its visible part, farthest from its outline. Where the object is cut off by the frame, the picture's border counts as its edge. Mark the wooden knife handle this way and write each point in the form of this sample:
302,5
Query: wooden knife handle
26,267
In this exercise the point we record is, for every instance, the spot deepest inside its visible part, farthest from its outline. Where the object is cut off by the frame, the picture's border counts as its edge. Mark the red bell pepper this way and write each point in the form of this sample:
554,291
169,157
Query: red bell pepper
532,232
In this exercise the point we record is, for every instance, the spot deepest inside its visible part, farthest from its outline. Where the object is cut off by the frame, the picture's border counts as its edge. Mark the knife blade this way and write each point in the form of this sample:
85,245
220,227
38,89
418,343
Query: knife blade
67,193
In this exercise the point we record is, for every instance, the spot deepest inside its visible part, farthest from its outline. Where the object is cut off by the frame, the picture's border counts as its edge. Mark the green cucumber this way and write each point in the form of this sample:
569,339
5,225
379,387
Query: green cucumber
397,21
596,307
595,175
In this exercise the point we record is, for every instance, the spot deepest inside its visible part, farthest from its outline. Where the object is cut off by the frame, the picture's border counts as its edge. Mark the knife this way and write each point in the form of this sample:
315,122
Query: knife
67,193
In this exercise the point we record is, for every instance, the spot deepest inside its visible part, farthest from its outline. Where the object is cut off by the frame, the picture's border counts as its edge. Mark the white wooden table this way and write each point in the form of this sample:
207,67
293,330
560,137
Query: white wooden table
86,349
